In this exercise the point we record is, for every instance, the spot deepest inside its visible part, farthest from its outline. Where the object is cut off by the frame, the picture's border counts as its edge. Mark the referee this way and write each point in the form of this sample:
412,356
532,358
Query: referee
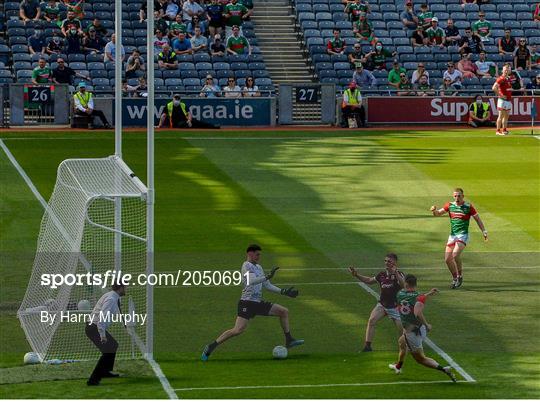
251,303
96,331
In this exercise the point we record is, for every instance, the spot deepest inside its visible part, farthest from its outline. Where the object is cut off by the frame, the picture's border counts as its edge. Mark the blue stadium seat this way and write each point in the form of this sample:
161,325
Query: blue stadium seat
173,82
170,74
189,74
201,57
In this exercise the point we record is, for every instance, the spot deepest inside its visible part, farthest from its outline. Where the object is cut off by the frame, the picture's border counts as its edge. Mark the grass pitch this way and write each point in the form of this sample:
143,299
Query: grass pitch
317,202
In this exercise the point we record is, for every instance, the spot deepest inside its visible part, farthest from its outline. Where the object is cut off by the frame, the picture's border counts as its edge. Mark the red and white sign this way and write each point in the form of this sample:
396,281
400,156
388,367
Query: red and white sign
398,109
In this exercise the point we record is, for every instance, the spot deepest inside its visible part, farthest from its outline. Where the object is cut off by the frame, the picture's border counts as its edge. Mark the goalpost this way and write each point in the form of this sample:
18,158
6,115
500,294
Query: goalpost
100,217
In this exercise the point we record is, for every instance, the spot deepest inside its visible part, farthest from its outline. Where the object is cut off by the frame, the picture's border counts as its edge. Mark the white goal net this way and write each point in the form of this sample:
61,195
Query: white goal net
95,222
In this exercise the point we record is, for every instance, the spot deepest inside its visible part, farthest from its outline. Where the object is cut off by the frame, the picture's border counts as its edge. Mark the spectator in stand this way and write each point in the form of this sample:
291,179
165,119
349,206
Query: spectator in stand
71,22
217,48
418,73
143,11
55,45
36,42
161,23
394,76
134,63
423,87
452,33
248,4
363,29
232,90
362,77
470,42
74,41
378,56
454,75
517,83
190,9
195,23
352,107
237,44
235,14
435,33
465,2
199,43
419,37
536,13
63,74
51,11
534,86
214,15
425,17
141,88
84,106
167,59
479,113
30,10
110,50
535,57
99,28
482,27
446,88
336,45
354,8
42,73
466,66
177,26
356,55
76,6
408,17
210,89
159,40
172,8
485,68
92,43
250,89
404,86
182,45
522,56
507,44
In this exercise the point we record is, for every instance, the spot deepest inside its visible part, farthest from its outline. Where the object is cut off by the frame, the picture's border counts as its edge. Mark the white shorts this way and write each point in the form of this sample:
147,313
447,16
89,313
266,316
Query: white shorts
503,105
415,339
460,238
391,313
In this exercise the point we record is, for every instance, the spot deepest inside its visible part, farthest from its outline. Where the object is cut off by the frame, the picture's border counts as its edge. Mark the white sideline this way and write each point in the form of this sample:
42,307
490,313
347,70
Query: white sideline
430,343
155,366
360,384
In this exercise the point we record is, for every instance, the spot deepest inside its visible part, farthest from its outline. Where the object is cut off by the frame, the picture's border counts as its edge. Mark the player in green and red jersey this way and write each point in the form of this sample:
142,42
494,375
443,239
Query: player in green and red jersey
460,213
415,327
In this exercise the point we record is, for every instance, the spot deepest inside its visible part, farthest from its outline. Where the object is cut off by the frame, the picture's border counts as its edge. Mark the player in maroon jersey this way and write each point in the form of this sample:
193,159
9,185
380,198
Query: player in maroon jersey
503,89
390,281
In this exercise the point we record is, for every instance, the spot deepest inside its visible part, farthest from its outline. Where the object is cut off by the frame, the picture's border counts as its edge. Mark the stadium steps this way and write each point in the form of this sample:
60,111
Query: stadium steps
284,58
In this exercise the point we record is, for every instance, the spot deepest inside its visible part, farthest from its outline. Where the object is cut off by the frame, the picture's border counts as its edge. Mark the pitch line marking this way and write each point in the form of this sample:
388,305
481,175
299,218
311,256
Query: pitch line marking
155,366
430,343
362,384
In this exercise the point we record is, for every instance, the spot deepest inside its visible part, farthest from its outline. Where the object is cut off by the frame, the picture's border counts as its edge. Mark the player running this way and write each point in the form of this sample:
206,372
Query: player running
390,282
460,213
503,89
415,327
251,303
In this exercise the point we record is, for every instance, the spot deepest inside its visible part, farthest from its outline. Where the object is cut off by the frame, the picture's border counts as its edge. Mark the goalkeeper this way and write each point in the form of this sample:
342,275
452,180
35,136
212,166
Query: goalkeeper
251,303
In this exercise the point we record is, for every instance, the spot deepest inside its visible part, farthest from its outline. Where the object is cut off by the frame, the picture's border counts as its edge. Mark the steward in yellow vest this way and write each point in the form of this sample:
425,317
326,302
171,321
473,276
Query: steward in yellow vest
479,113
83,102
352,107
176,115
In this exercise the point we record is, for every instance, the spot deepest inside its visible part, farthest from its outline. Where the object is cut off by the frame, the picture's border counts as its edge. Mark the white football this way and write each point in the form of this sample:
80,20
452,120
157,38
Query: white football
31,358
280,352
84,305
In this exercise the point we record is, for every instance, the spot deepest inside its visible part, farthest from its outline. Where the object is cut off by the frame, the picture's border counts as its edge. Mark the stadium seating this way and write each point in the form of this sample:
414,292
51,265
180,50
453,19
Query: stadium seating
16,63
315,31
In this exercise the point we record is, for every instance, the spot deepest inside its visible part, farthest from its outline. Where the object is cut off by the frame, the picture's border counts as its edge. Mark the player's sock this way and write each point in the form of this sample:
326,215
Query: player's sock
288,337
211,347
367,347
399,365
440,368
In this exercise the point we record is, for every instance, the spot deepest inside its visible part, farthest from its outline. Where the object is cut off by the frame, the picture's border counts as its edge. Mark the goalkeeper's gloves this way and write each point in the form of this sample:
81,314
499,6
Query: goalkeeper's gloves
291,292
271,274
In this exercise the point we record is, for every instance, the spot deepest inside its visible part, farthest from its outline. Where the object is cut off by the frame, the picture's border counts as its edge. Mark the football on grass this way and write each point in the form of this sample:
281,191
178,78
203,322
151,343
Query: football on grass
31,358
279,352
